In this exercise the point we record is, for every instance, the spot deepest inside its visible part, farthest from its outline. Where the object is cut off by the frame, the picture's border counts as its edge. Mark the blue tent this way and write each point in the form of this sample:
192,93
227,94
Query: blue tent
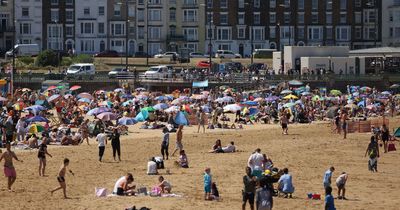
180,119
142,116
397,133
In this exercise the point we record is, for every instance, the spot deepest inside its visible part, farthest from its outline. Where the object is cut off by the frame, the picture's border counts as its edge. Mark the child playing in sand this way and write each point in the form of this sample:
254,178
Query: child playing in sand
61,178
164,185
207,184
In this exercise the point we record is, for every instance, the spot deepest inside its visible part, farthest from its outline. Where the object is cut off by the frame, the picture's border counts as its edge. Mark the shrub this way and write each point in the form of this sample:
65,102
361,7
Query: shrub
26,60
47,58
66,61
83,58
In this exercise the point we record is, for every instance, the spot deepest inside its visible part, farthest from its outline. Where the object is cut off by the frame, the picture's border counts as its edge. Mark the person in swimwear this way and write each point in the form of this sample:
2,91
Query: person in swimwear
61,178
9,170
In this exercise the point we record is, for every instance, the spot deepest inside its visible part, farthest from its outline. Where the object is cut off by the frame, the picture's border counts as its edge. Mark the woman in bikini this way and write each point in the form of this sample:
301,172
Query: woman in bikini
42,156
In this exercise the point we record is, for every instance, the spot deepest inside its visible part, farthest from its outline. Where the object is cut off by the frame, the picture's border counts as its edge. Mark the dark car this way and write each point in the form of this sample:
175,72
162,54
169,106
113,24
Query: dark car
233,66
141,55
107,53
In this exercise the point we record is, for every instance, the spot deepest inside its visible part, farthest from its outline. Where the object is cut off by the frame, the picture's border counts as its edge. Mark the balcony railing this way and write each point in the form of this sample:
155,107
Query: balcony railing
175,37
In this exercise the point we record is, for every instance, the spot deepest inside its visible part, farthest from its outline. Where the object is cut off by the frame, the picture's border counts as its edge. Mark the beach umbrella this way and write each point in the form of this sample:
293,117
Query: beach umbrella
351,106
35,108
288,105
98,110
305,93
394,86
37,119
161,98
126,121
361,104
142,116
148,109
397,133
53,97
286,92
259,99
176,102
2,99
180,119
35,128
105,103
107,116
84,100
26,90
118,90
370,107
232,108
52,87
386,93
100,92
272,98
290,96
223,87
75,87
160,106
295,83
204,92
128,96
142,97
198,97
172,109
317,98
336,92
206,108
85,95
250,103
140,89
227,99
66,96
365,89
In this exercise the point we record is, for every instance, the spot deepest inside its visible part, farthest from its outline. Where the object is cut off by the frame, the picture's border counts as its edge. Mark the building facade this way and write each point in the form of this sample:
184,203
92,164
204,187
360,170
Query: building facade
28,22
6,26
391,23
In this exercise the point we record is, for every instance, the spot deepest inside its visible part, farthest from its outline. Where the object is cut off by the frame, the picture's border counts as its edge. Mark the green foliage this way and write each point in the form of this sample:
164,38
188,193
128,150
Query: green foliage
82,58
47,58
26,60
66,61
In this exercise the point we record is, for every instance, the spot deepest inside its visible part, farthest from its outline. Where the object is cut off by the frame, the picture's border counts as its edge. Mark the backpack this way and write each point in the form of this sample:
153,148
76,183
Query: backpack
264,199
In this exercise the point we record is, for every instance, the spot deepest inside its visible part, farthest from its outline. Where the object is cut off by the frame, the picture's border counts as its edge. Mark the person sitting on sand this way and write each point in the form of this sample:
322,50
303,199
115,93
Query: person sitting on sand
229,148
32,142
214,192
122,187
164,185
267,163
76,138
183,160
152,167
217,147
286,184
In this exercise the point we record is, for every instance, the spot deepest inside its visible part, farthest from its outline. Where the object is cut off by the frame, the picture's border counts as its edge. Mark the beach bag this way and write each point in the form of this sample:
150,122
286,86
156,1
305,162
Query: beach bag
264,198
100,192
391,147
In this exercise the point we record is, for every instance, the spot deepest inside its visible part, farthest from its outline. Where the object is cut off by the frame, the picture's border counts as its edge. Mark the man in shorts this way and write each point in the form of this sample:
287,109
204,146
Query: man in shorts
178,144
249,190
9,170
341,183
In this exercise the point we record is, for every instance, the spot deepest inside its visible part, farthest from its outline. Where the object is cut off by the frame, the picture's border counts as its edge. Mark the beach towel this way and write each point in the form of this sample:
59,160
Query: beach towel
155,192
100,192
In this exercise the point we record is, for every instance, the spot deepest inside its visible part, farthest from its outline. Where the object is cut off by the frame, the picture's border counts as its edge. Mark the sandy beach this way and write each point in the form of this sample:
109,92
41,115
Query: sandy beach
308,151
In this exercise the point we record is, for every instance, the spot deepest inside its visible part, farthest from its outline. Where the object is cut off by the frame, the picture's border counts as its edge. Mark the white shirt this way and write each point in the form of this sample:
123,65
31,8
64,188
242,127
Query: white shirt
229,148
119,184
151,167
341,179
255,161
101,138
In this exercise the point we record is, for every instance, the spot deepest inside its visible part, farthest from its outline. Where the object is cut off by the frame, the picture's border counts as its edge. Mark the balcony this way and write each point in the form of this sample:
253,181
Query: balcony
177,38
7,29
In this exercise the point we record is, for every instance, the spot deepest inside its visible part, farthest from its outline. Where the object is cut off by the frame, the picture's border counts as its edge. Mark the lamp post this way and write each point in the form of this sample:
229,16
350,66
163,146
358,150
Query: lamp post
375,28
147,32
126,34
251,5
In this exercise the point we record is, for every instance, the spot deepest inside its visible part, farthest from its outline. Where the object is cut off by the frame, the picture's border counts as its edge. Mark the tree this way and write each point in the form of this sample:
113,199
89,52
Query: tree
47,58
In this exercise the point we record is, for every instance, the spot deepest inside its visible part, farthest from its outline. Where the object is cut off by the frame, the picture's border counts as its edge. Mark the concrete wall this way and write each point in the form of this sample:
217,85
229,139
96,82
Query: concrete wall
276,61
346,64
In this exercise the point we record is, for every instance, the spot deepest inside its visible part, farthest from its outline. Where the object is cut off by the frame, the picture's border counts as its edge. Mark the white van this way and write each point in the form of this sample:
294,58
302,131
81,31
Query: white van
226,54
81,69
158,72
24,50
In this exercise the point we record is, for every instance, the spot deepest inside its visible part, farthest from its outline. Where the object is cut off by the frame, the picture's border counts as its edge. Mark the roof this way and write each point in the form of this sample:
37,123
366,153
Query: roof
379,50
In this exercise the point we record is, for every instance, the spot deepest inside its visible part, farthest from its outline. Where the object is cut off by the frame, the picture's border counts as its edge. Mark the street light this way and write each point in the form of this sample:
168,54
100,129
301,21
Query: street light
251,5
126,33
209,35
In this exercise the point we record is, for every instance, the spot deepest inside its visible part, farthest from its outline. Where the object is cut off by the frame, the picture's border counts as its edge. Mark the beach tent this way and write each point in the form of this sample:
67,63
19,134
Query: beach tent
180,119
142,116
397,132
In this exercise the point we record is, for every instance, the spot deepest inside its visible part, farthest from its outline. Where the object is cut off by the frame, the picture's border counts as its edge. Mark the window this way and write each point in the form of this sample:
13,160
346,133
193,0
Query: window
272,3
172,30
54,36
357,3
300,32
223,3
241,18
190,2
300,17
314,17
141,32
343,17
258,34
272,32
343,4
272,17
190,15
315,33
87,45
300,4
241,33
87,28
329,32
209,17
117,10
172,15
224,47
132,28
358,32
54,2
343,33
224,34
154,32
101,28
314,4
101,11
210,34
241,4
102,46
256,3
209,3
154,15
25,28
287,3
69,30
69,2
286,32
329,5
118,29
54,15
286,17
369,16
256,18
190,34
69,15
223,18
192,46
25,11
154,1
86,11
369,32
131,11
328,18
140,15
357,17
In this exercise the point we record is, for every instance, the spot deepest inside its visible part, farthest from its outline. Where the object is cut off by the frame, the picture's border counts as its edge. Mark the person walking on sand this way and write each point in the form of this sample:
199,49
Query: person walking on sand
116,143
249,190
178,144
284,122
9,170
385,137
328,177
165,144
373,154
61,178
42,156
207,184
201,118
343,120
101,138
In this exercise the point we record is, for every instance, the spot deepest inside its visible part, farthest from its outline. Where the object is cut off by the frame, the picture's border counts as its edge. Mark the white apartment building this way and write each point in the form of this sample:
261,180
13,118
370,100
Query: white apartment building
28,21
90,26
391,23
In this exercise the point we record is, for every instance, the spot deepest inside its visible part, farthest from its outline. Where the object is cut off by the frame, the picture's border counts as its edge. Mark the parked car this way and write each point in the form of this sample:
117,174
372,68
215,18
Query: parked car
234,66
79,70
107,53
167,55
141,55
227,54
117,72
157,72
197,55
